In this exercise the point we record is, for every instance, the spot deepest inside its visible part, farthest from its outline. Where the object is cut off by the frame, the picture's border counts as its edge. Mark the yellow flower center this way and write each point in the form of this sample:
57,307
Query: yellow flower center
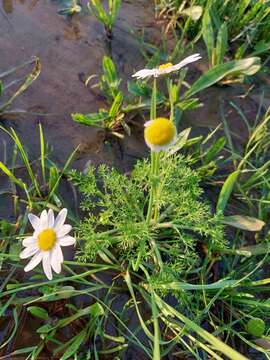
160,131
165,66
46,239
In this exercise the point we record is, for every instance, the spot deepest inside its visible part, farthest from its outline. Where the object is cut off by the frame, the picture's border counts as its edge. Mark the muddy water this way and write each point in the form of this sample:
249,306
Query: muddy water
69,50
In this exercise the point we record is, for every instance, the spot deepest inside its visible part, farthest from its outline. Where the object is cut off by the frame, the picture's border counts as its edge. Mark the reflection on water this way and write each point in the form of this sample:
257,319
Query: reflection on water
7,6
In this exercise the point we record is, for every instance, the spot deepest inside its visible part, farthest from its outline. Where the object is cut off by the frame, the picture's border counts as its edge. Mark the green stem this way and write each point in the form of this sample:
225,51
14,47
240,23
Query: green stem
152,205
153,112
153,115
151,198
156,190
153,192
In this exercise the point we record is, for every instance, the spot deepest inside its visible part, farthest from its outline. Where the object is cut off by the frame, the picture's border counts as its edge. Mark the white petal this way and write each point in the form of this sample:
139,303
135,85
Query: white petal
36,233
148,123
29,241
50,218
43,220
34,220
158,148
60,219
144,73
46,263
29,251
56,259
64,230
34,261
186,61
155,148
60,253
67,241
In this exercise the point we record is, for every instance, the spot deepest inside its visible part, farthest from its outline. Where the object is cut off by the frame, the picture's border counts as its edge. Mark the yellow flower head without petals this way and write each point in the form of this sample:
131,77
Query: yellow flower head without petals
160,134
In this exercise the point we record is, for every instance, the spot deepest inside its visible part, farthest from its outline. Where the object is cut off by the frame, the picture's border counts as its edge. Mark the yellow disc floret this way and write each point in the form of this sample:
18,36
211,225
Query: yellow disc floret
159,132
46,239
164,66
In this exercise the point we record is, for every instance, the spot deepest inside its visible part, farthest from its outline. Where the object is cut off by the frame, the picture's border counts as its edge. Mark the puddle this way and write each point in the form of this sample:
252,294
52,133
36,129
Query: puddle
69,49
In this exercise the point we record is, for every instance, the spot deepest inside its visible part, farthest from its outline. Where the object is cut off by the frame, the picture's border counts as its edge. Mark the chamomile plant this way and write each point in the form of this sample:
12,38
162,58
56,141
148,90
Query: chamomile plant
151,226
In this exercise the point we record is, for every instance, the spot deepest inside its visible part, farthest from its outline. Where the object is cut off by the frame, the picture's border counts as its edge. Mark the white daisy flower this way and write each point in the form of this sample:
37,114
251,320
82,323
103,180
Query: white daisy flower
160,134
45,244
166,68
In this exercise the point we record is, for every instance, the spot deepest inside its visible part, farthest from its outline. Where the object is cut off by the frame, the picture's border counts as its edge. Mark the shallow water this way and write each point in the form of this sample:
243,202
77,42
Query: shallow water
69,51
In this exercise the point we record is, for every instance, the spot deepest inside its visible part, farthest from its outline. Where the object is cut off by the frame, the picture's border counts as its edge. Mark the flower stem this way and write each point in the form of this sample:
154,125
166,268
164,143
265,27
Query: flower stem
156,187
153,179
153,114
153,111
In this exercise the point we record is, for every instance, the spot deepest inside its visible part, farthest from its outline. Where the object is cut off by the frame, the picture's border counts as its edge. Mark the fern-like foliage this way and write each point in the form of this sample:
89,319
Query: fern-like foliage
116,206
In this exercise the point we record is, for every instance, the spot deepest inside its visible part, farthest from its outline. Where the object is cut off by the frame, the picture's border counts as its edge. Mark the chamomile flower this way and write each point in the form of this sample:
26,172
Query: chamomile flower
45,243
160,134
166,68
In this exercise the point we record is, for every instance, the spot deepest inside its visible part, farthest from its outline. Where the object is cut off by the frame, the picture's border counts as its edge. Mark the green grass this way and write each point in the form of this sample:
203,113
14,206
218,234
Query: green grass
242,27
106,17
219,286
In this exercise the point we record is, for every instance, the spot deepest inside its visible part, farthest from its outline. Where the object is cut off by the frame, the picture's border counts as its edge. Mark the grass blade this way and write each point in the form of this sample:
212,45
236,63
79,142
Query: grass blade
168,310
30,78
247,66
226,190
